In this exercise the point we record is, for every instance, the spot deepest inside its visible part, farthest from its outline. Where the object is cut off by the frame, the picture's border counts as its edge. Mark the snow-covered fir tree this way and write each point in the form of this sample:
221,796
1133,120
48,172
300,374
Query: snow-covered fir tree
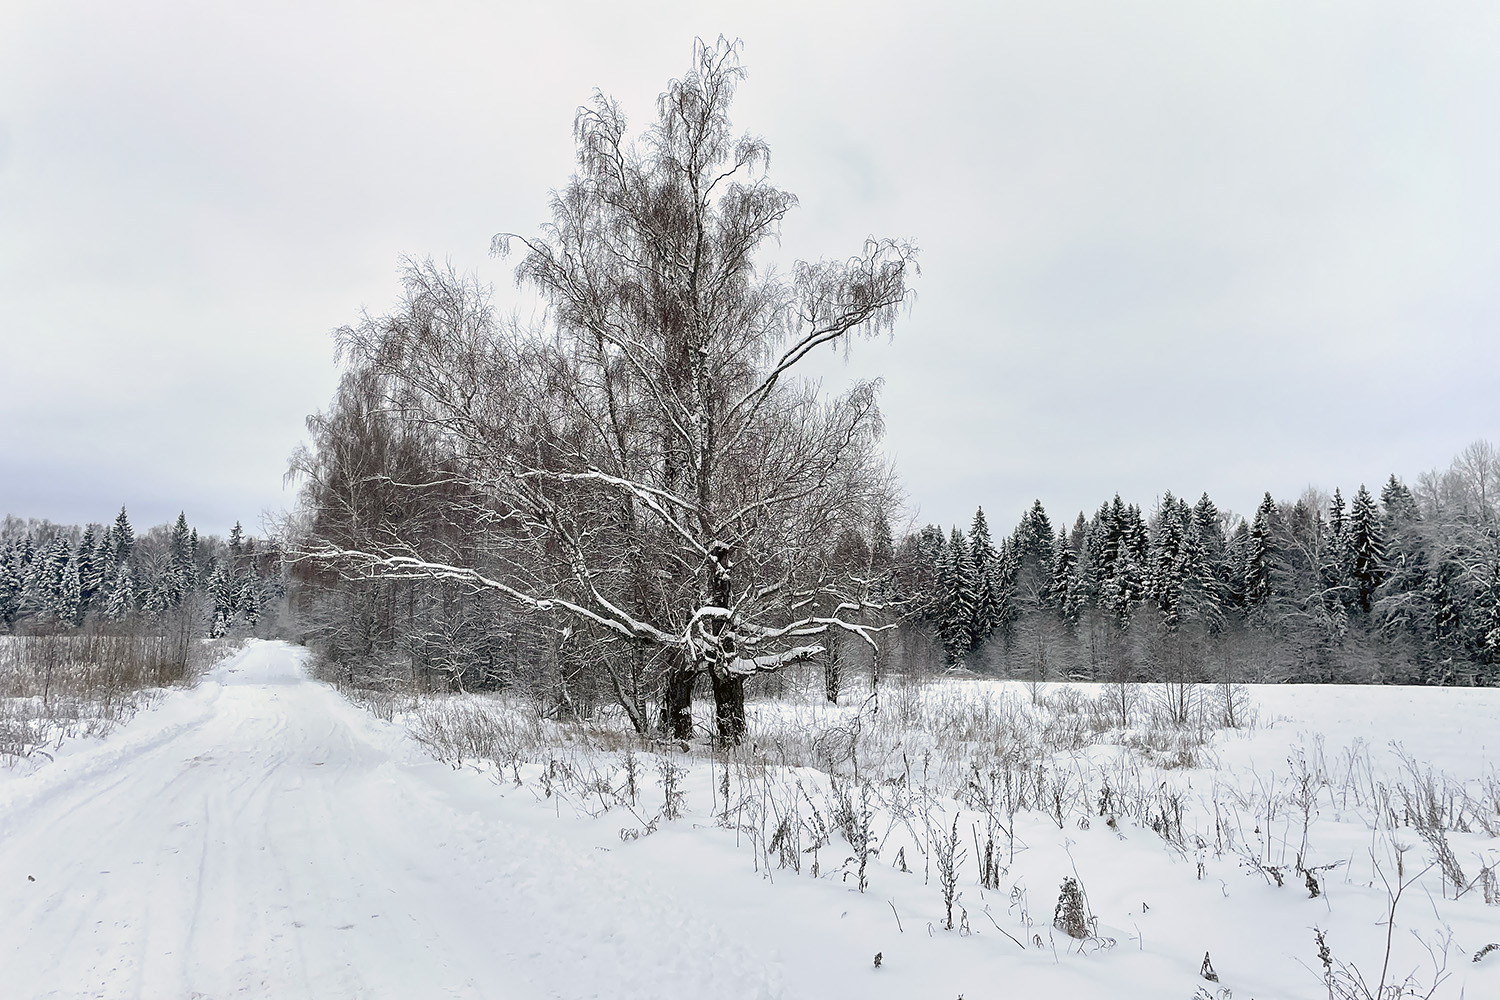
88,573
1202,596
236,545
956,589
1167,570
45,587
1338,523
176,580
1334,557
1487,621
223,595
1257,556
1366,549
1066,588
68,610
1031,548
1420,562
122,535
248,600
191,575
983,558
121,603
1034,537
1399,505
11,583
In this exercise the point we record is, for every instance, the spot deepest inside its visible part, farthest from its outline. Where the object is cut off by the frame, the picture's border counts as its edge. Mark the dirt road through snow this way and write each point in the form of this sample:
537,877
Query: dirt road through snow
258,836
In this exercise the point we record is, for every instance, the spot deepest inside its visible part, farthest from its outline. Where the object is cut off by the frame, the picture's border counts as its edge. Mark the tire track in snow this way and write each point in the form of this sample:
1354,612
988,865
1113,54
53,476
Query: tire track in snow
261,837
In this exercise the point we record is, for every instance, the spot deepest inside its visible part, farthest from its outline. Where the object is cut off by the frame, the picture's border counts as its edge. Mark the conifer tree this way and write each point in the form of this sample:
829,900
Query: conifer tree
1209,569
1257,572
103,571
1444,607
192,560
1210,529
156,598
1126,585
176,582
1334,556
1168,562
53,562
1105,535
1400,506
1031,549
1003,581
1366,549
956,583
88,572
224,596
249,600
1034,539
123,537
1487,624
983,558
68,609
121,603
1338,524
932,541
882,559
1412,559
922,575
1065,590
1133,535
1083,567
1202,587
1124,590
33,578
10,585
1236,547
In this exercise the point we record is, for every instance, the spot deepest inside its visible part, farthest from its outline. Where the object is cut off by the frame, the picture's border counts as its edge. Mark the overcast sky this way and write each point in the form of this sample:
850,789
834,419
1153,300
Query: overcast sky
1231,247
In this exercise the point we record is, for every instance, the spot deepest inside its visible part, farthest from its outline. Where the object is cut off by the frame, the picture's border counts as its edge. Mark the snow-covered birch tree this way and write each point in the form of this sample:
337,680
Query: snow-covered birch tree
647,465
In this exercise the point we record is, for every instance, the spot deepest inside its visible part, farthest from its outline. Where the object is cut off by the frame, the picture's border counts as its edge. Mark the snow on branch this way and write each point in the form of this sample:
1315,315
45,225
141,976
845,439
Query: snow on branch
371,565
745,666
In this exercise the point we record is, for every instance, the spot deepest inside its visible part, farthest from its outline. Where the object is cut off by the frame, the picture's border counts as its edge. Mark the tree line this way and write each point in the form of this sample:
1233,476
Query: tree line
63,578
1401,588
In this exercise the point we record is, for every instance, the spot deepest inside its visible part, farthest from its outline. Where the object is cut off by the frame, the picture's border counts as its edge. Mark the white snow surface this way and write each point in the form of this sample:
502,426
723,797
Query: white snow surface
258,836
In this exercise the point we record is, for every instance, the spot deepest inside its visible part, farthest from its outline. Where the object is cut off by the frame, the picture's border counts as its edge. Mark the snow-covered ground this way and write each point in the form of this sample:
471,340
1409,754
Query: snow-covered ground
260,836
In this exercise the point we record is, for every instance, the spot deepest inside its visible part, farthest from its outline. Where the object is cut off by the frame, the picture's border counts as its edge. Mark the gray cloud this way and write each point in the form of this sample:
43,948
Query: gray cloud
1165,245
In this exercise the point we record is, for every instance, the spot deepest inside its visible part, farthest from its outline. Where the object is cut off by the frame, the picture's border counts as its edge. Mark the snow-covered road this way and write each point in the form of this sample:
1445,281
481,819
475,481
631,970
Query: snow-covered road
258,836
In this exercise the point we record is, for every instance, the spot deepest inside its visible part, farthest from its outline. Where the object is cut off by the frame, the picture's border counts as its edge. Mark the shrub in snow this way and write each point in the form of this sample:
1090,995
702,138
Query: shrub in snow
673,796
950,857
1071,917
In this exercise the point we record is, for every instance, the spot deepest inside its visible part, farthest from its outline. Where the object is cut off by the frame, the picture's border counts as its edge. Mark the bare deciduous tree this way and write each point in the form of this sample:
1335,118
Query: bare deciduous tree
647,467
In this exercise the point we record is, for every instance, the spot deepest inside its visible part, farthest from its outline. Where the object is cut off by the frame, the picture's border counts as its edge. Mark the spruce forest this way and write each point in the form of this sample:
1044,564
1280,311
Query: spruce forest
61,579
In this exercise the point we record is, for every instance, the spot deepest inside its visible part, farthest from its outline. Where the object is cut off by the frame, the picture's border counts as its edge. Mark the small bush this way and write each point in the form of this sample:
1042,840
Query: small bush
1071,916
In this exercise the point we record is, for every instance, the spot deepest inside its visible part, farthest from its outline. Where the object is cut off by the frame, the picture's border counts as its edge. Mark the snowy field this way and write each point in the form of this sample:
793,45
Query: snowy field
259,835
57,688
